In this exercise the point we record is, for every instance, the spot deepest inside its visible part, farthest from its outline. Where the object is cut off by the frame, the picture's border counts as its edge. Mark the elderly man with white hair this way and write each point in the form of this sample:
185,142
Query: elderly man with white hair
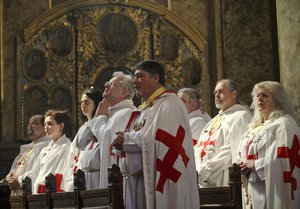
112,115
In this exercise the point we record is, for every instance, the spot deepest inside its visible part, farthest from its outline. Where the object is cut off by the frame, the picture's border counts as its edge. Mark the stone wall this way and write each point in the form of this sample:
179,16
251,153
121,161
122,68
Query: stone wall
289,48
194,12
247,43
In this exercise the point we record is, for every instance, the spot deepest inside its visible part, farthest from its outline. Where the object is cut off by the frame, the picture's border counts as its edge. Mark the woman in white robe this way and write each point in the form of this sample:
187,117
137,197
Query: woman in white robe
85,150
53,158
269,150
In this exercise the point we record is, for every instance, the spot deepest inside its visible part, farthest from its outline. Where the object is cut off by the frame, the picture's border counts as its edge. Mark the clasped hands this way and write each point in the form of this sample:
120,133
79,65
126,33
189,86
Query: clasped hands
247,167
13,182
118,141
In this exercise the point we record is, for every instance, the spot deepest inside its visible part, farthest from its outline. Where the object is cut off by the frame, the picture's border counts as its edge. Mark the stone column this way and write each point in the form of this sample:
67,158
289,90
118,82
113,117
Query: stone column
288,23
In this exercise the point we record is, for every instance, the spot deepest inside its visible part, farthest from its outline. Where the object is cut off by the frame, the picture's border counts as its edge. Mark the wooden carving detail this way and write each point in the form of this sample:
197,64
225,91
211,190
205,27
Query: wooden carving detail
83,46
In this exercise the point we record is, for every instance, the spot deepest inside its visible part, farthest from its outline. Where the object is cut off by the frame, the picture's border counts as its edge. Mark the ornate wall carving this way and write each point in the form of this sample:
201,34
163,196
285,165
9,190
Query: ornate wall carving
81,44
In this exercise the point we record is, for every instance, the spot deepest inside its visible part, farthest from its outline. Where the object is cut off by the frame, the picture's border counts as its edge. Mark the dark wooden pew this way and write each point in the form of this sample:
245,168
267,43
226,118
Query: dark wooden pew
224,197
4,196
111,198
80,198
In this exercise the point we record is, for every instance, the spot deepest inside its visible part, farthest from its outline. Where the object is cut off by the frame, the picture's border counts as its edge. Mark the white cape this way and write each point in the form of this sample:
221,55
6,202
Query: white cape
52,159
216,150
167,155
281,167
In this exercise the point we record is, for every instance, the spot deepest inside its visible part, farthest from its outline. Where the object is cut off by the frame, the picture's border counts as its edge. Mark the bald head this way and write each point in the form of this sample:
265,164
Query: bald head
35,129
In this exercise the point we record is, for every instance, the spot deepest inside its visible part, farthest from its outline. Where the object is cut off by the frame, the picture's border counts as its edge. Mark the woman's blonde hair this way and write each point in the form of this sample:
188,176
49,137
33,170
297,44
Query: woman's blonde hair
283,102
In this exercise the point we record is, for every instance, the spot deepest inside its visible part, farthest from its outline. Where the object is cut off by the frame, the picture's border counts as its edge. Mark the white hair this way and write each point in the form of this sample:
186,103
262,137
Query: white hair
126,83
283,102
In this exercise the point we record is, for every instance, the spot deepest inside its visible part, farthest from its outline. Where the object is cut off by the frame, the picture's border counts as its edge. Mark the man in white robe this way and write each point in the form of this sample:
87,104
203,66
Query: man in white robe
218,144
24,162
197,119
158,166
111,116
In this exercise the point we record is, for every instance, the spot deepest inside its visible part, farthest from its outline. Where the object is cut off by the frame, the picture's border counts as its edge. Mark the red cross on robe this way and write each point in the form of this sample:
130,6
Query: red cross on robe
250,156
207,143
165,166
293,155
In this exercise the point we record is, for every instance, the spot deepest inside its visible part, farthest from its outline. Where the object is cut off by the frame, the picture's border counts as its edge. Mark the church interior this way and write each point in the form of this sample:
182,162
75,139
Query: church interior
51,50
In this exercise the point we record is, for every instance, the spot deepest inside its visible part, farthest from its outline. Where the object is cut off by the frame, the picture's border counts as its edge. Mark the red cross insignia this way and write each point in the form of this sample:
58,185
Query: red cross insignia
165,166
250,156
207,143
294,158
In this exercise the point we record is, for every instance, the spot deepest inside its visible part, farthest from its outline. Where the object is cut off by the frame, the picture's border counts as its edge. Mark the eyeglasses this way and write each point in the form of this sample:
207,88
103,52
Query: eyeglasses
110,83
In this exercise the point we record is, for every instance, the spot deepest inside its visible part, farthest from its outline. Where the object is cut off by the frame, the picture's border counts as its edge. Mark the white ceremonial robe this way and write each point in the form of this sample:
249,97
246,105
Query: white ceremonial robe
52,159
275,183
84,155
104,128
163,134
217,149
207,116
26,159
247,139
197,122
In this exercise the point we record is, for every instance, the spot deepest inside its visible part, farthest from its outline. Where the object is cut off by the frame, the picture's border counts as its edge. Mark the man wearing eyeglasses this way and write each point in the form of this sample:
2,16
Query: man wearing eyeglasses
112,114
24,162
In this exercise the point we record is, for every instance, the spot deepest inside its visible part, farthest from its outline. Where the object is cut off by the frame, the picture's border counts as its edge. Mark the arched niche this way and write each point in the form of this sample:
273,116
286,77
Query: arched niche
79,39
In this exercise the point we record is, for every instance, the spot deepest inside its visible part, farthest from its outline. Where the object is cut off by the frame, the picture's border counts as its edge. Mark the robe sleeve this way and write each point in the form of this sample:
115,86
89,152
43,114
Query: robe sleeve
96,125
197,126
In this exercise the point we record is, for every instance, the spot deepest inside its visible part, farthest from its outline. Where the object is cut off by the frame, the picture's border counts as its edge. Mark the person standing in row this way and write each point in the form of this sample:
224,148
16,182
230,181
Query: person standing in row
159,166
198,120
218,144
85,150
111,115
269,150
